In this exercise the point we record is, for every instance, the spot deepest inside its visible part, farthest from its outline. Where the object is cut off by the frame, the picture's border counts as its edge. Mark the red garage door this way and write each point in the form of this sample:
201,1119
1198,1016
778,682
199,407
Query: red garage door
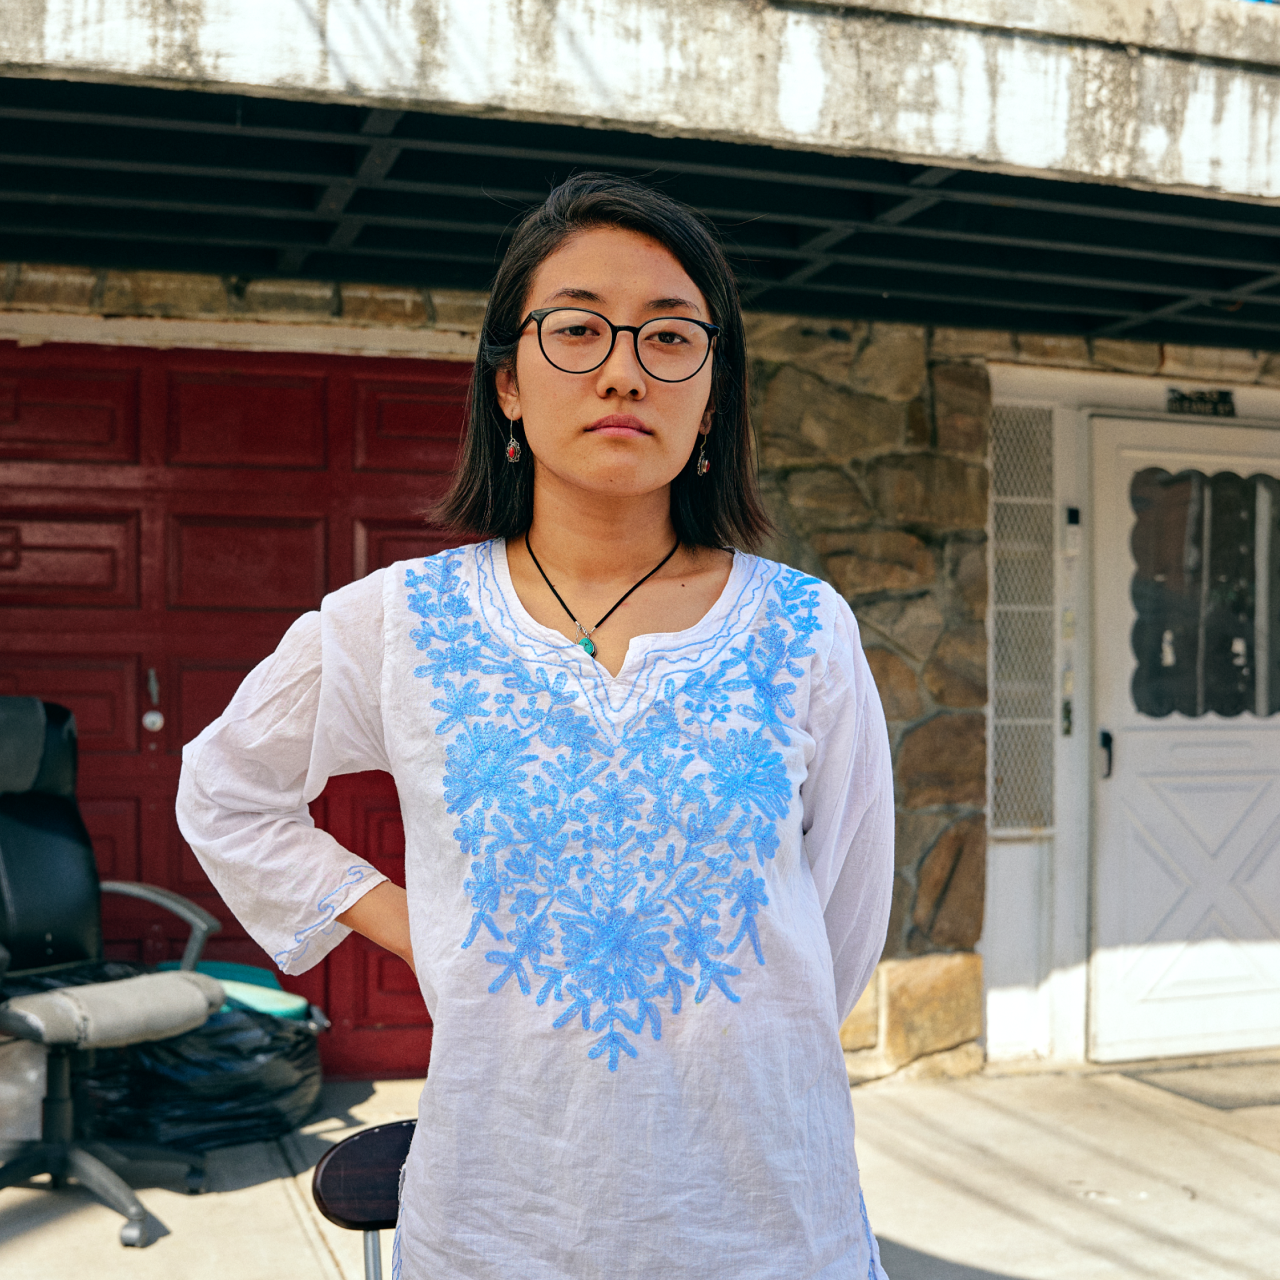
164,517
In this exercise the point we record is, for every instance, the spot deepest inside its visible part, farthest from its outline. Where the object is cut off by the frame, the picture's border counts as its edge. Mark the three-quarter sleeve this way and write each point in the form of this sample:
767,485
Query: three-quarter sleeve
310,711
848,811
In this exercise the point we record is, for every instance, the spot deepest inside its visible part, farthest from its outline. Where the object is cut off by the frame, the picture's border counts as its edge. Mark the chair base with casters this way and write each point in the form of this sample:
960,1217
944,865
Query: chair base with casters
103,1015
356,1185
94,1165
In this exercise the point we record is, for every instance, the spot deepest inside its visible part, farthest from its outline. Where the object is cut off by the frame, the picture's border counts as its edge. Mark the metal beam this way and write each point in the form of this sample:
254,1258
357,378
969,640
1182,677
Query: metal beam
378,161
296,251
179,237
286,247
1201,298
312,200
815,248
830,235
1107,284
1006,198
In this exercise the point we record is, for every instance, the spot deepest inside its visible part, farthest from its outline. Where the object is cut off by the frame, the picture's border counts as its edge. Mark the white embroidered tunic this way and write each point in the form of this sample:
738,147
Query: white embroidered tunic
641,907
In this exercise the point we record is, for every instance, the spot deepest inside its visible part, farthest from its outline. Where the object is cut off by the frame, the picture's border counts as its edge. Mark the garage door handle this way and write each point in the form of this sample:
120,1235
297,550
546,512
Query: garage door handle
1105,742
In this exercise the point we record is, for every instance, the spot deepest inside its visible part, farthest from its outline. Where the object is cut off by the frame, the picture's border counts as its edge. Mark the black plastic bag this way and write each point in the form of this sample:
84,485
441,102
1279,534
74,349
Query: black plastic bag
241,1077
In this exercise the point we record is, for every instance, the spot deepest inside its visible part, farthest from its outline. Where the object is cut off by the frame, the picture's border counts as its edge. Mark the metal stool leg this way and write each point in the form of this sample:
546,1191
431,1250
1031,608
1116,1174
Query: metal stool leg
372,1257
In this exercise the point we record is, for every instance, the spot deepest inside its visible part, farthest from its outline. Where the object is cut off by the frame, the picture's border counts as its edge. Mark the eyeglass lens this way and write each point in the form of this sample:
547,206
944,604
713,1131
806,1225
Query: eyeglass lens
668,348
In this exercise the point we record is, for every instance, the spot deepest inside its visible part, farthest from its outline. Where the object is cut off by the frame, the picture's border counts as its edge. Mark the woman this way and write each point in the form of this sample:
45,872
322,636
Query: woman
646,792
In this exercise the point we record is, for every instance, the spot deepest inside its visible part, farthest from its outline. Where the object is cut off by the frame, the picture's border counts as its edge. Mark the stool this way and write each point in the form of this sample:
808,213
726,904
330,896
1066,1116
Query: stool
356,1185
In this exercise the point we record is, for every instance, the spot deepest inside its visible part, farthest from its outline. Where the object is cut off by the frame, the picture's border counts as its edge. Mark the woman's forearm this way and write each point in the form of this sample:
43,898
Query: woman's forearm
382,916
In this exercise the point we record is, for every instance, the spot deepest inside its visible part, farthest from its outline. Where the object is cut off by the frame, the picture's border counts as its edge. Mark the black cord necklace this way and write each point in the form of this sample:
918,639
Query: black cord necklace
588,645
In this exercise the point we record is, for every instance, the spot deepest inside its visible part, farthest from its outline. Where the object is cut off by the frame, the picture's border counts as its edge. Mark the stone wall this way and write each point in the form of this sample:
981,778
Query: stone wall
175,295
873,456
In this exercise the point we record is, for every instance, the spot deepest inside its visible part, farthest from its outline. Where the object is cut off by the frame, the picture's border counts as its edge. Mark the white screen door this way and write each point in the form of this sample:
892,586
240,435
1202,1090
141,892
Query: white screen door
1186,893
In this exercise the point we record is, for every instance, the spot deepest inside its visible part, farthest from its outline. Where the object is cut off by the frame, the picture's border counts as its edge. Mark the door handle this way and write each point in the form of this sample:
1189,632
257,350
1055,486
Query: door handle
153,720
1105,741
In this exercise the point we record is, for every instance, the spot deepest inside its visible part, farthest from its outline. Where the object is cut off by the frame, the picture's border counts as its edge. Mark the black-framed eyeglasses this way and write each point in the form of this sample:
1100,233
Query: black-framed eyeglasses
669,348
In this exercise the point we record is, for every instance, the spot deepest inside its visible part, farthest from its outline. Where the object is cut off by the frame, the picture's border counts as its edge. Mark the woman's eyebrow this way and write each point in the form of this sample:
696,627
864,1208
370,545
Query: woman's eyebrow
665,304
586,295
577,295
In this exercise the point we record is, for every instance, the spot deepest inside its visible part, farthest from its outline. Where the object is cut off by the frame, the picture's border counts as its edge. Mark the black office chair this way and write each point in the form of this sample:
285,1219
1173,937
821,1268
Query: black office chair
356,1185
51,937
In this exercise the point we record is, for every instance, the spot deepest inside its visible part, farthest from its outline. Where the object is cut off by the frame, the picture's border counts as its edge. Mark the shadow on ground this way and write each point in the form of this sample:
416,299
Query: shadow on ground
229,1168
902,1263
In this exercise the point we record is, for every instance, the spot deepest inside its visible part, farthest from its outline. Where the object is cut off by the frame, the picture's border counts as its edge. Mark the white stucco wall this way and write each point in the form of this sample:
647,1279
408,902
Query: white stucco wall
1181,94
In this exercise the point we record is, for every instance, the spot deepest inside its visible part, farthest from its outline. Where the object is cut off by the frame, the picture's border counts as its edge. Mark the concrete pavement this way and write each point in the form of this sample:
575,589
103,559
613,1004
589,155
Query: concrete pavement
255,1222
1080,1176
1134,1174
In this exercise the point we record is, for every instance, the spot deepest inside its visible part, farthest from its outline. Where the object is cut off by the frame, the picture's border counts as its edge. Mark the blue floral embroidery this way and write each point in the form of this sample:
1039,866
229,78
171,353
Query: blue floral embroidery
614,877
327,908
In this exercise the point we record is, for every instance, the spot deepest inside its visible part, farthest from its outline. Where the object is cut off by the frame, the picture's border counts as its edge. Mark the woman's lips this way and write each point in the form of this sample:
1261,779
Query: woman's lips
619,424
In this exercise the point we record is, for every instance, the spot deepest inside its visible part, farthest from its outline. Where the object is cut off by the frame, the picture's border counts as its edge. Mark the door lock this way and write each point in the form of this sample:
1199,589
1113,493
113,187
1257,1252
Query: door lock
153,720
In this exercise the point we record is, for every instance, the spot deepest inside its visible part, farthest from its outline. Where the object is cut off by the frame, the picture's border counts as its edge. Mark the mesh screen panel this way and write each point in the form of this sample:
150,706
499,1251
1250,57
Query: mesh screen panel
1024,553
1023,684
1022,776
1023,656
1022,452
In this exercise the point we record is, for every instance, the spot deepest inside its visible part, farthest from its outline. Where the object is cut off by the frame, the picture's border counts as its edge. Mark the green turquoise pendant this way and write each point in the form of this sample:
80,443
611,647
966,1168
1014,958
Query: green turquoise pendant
587,646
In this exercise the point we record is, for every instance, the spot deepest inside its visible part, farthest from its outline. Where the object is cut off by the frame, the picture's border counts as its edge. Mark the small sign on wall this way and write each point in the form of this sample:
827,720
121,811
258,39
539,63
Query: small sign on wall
1205,404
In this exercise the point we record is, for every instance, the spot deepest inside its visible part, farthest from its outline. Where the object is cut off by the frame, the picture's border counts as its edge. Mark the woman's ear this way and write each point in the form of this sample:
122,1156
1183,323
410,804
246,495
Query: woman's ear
704,428
504,381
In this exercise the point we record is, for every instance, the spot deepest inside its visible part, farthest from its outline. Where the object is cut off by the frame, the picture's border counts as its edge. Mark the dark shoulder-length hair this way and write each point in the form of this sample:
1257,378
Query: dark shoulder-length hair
494,498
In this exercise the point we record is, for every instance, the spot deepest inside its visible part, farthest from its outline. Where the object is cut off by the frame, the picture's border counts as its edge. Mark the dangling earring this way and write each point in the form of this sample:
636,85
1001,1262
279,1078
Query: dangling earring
513,445
704,463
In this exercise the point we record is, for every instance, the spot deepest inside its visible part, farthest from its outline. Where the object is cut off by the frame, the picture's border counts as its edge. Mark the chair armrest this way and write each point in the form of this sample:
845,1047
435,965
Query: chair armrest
201,922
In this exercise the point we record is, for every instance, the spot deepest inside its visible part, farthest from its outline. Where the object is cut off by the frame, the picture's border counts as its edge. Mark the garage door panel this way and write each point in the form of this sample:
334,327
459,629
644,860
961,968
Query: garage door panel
204,689
247,562
51,558
244,420
113,827
67,414
102,693
409,425
379,543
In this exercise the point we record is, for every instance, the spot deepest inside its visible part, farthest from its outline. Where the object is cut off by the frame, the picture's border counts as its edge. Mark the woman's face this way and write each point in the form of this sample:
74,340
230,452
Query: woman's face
617,430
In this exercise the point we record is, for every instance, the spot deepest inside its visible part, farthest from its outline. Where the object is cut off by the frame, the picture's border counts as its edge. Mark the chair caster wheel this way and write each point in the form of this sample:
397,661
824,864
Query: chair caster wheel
134,1235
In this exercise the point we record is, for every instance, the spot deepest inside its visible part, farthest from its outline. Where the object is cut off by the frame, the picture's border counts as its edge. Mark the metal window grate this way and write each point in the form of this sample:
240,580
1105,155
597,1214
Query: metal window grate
1023,683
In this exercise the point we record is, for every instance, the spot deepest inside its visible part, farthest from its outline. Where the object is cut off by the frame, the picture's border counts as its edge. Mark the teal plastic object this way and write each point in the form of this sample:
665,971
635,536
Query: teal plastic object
248,987
252,996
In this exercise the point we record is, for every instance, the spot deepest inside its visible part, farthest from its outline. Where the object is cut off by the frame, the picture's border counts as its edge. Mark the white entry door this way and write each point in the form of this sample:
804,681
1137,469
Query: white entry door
1186,893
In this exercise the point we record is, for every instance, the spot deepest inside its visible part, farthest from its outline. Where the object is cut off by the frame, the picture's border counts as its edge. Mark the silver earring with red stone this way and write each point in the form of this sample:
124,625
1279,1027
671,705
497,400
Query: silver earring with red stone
513,445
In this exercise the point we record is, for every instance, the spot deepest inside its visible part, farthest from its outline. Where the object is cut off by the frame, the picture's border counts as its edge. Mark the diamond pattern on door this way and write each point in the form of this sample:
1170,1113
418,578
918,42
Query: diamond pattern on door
1258,881
1212,811
1154,883
1235,816
1211,962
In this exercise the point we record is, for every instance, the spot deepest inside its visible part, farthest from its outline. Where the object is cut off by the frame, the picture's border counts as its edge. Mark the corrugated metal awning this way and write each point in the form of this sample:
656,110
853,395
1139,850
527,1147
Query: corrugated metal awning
110,175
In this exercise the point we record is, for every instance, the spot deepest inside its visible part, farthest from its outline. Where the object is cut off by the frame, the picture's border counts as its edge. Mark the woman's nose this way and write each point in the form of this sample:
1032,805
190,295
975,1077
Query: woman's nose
621,373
